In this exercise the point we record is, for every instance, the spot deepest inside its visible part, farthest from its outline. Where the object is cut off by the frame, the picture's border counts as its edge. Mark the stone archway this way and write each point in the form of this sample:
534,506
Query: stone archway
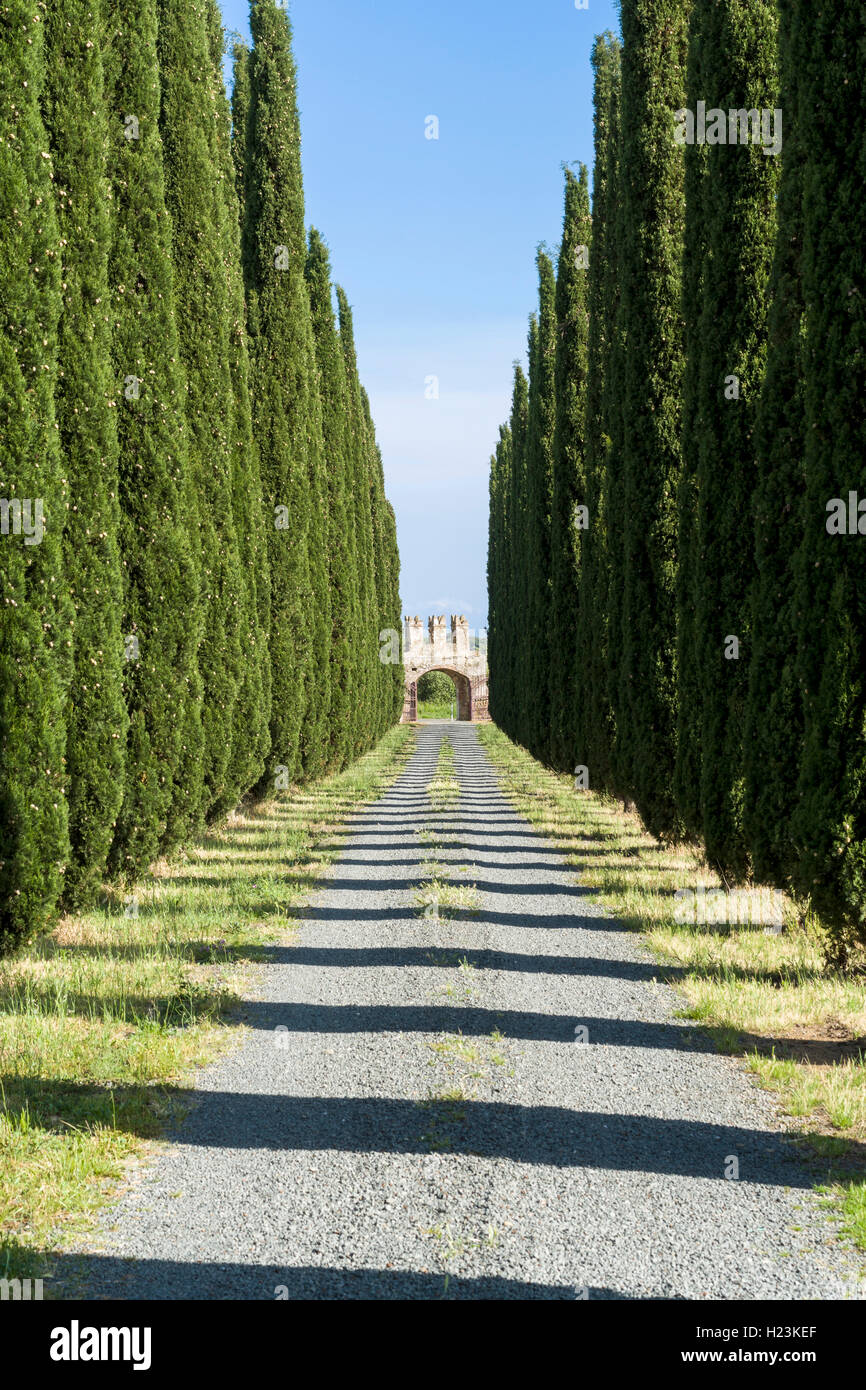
462,693
452,653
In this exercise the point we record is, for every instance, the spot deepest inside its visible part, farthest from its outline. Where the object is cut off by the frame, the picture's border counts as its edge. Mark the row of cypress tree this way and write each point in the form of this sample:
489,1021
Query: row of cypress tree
197,553
677,604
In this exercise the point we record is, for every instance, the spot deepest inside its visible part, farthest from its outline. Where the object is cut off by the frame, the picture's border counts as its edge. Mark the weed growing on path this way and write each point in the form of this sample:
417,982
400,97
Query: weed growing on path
444,788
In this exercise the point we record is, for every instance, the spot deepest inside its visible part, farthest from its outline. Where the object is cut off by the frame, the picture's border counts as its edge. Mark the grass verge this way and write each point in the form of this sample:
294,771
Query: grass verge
435,709
103,1020
765,995
444,787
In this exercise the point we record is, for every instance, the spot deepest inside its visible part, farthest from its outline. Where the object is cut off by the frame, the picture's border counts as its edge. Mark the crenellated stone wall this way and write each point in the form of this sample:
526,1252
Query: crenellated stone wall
450,650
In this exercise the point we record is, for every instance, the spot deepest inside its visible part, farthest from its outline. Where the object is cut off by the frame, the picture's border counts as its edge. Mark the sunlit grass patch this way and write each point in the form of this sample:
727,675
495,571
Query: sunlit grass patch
435,709
103,1020
764,993
444,787
447,897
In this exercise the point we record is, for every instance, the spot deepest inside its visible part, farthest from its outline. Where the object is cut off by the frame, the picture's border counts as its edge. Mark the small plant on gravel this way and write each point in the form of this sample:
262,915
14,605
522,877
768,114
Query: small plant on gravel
450,897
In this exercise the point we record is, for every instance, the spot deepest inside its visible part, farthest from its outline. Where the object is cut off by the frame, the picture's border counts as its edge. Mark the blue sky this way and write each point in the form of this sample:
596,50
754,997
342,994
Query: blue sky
435,240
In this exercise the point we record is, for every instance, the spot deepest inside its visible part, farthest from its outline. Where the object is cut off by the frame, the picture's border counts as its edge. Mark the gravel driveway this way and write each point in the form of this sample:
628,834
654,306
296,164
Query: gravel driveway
416,1116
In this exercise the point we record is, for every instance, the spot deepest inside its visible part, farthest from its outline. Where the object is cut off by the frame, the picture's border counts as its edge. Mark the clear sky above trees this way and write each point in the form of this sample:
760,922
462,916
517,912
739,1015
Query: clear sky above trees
432,239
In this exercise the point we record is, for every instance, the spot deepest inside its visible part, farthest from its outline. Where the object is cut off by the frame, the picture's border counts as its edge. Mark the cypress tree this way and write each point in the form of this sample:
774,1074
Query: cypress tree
539,484
381,578
612,509
194,198
515,556
738,70
595,733
501,617
76,120
687,766
774,713
342,578
643,518
285,390
497,596
316,732
35,637
366,640
390,673
567,663
161,682
393,613
252,711
830,818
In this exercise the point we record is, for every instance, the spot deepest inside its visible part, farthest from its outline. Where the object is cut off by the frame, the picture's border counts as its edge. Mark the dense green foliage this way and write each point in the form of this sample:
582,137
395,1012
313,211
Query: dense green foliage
161,611
687,763
251,725
829,823
734,226
594,727
188,125
343,581
87,420
651,210
774,713
197,554
568,525
285,402
707,632
35,633
539,500
436,686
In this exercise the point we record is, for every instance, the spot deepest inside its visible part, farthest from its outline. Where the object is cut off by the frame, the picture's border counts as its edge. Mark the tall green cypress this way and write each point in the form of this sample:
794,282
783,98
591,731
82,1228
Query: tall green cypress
252,711
366,641
738,71
381,578
76,120
393,615
194,198
506,618
567,663
774,712
342,578
687,766
595,733
515,556
612,509
285,386
35,637
539,481
497,573
830,819
643,520
161,683
316,733
390,674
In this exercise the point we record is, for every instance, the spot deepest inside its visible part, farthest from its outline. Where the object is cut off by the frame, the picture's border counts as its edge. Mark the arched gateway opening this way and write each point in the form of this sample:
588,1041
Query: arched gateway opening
455,654
461,695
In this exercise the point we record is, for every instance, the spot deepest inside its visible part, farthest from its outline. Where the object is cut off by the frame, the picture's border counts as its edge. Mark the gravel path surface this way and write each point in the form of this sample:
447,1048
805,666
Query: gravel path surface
428,1124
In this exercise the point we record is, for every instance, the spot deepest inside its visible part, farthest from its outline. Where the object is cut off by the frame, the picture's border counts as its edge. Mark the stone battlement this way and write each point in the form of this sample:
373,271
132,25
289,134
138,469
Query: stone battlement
457,642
